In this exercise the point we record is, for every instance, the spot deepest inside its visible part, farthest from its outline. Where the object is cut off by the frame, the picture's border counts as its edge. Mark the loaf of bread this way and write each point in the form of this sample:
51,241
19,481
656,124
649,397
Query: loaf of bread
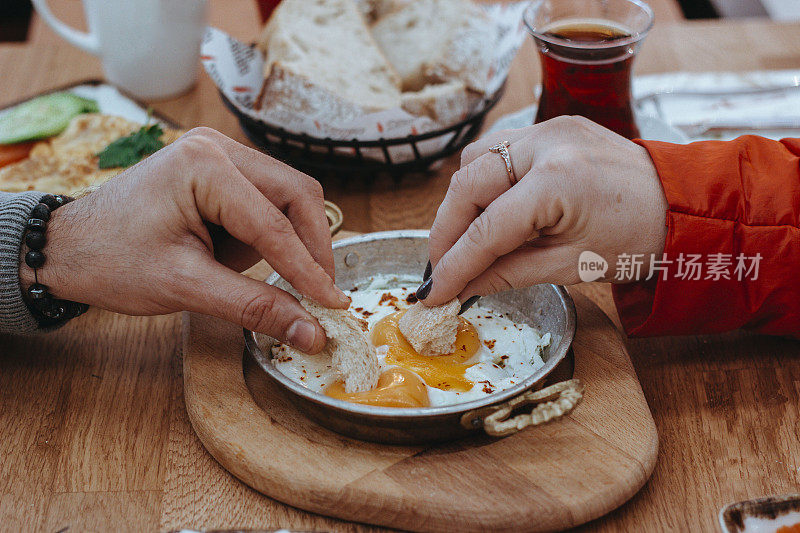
431,330
435,41
352,354
321,60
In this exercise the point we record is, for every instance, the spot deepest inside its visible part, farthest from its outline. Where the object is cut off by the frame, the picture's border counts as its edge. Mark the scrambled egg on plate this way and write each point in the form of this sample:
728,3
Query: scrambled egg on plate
67,163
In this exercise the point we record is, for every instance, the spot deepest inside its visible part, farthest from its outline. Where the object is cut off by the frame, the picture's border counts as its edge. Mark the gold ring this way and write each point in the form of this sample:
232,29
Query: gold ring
502,149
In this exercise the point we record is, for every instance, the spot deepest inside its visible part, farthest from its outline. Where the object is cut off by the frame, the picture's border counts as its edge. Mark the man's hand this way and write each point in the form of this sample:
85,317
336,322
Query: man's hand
173,232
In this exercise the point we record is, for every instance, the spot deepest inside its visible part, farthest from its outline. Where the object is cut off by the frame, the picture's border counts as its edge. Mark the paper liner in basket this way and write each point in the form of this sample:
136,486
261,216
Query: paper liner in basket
237,70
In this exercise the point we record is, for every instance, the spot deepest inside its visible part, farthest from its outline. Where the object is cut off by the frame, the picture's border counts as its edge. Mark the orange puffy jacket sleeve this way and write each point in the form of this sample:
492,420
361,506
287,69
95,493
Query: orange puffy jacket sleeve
732,254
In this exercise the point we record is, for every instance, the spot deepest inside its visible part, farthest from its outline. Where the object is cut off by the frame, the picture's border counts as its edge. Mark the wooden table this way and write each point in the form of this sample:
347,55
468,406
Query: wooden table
94,431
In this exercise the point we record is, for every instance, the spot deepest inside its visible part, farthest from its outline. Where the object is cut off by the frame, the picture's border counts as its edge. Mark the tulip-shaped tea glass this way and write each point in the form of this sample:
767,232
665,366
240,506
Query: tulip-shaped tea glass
587,49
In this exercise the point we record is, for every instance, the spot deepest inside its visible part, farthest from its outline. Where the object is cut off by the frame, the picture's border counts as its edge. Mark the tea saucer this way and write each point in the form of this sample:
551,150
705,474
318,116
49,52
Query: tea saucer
651,128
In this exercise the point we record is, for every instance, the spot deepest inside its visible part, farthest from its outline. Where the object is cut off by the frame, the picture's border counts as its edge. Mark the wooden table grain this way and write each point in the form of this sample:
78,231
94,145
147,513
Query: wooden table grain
95,435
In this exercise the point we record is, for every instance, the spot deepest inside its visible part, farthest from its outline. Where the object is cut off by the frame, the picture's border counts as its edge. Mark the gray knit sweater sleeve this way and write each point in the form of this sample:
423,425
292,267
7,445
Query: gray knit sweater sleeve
15,209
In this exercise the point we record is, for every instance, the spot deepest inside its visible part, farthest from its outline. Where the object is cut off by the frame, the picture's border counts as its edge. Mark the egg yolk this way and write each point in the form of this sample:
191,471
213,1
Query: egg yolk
397,387
445,372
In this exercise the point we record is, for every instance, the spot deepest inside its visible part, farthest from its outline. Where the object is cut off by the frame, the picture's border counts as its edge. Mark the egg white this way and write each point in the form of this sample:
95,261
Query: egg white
508,354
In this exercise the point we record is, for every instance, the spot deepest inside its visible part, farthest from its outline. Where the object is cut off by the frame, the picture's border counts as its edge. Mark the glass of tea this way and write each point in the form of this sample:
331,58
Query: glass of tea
587,49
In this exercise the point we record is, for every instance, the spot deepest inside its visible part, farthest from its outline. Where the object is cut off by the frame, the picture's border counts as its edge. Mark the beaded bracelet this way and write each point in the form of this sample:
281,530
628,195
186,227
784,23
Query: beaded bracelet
47,310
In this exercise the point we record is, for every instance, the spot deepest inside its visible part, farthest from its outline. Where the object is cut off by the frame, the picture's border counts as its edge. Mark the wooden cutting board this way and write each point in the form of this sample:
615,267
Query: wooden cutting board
551,477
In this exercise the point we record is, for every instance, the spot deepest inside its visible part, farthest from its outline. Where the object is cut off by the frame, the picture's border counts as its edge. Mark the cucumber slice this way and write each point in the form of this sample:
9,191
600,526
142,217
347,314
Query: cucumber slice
88,105
42,117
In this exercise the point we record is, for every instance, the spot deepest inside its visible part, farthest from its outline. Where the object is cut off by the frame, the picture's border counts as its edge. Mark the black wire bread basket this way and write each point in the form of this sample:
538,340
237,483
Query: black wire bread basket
320,157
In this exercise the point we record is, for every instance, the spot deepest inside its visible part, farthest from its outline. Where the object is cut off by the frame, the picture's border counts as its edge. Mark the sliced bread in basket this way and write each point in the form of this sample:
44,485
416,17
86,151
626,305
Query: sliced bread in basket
436,41
322,61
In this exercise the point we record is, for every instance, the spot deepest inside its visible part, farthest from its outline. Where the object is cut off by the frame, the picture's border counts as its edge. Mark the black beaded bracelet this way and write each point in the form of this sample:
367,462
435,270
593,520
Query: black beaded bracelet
47,310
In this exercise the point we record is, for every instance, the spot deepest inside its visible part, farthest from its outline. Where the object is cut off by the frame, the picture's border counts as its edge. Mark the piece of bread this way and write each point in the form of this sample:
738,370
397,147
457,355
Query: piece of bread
431,330
435,41
468,53
444,103
352,354
322,61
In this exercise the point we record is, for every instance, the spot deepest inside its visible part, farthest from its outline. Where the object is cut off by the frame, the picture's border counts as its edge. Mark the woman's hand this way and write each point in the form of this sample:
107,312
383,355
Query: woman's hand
172,233
580,187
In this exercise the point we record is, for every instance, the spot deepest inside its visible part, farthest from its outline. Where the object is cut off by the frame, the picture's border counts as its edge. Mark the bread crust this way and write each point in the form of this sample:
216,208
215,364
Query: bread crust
298,70
289,93
446,104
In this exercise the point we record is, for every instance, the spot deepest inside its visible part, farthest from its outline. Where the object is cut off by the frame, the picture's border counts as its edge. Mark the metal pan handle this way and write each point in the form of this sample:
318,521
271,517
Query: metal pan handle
550,403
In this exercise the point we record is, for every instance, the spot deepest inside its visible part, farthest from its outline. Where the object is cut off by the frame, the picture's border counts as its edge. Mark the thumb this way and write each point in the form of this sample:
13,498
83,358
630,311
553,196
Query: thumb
255,305
525,267
506,224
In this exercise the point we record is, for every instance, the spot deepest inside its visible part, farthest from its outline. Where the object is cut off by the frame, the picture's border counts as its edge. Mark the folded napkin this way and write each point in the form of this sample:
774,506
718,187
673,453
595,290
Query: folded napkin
666,109
774,114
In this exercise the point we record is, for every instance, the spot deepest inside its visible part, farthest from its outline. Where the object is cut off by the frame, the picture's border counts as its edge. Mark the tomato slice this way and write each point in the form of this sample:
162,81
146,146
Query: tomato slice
11,153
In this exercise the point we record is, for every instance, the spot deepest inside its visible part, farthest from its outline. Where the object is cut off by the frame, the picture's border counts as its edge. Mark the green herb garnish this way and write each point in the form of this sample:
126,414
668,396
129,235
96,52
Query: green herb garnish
129,150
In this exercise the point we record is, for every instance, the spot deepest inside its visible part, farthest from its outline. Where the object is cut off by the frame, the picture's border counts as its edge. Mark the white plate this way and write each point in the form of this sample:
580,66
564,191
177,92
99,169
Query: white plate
110,101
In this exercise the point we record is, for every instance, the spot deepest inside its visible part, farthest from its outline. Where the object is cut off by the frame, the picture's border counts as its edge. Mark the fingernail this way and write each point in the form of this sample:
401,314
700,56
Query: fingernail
345,299
301,334
468,303
428,272
425,289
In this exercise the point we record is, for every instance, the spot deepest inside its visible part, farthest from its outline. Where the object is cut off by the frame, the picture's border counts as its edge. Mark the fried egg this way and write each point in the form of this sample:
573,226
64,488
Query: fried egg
492,353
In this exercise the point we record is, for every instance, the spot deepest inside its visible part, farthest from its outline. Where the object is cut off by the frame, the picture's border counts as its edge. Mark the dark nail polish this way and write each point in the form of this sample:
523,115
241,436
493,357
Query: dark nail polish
428,272
425,289
469,303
